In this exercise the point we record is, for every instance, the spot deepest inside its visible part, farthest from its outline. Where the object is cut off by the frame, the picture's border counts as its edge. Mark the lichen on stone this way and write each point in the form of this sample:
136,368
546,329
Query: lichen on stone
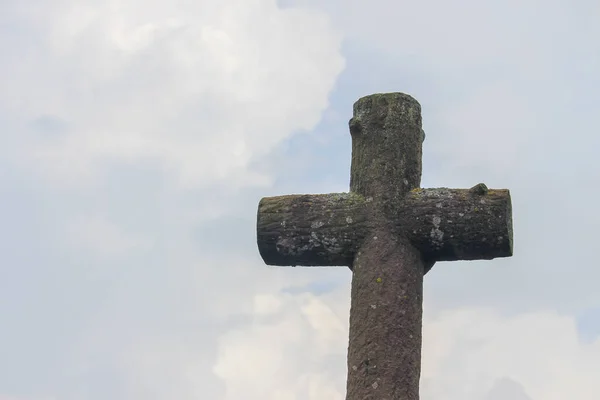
436,234
316,224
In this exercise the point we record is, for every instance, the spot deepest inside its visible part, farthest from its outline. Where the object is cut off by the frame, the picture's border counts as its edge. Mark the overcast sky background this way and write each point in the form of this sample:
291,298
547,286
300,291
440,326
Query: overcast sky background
137,137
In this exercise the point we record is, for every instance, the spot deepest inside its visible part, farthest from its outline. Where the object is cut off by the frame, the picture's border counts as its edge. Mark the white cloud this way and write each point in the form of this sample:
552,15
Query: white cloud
469,354
467,351
294,353
442,36
144,365
200,90
489,130
101,236
203,88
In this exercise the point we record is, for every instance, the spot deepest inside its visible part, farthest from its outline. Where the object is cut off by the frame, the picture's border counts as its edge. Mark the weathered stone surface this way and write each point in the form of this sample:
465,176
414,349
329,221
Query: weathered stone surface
327,229
458,224
390,233
311,230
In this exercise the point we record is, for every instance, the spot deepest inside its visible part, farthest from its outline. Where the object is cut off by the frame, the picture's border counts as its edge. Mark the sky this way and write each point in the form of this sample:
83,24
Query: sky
137,138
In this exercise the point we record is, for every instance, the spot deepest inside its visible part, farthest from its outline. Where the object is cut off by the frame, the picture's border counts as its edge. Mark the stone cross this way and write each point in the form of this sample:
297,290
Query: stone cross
389,232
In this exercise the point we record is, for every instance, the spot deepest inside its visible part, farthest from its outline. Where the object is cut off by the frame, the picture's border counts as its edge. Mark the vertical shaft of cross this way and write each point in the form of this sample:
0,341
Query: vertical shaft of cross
384,353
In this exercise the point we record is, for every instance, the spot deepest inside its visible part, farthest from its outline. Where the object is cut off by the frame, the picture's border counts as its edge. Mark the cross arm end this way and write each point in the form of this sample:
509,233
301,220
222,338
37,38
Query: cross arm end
459,224
310,230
